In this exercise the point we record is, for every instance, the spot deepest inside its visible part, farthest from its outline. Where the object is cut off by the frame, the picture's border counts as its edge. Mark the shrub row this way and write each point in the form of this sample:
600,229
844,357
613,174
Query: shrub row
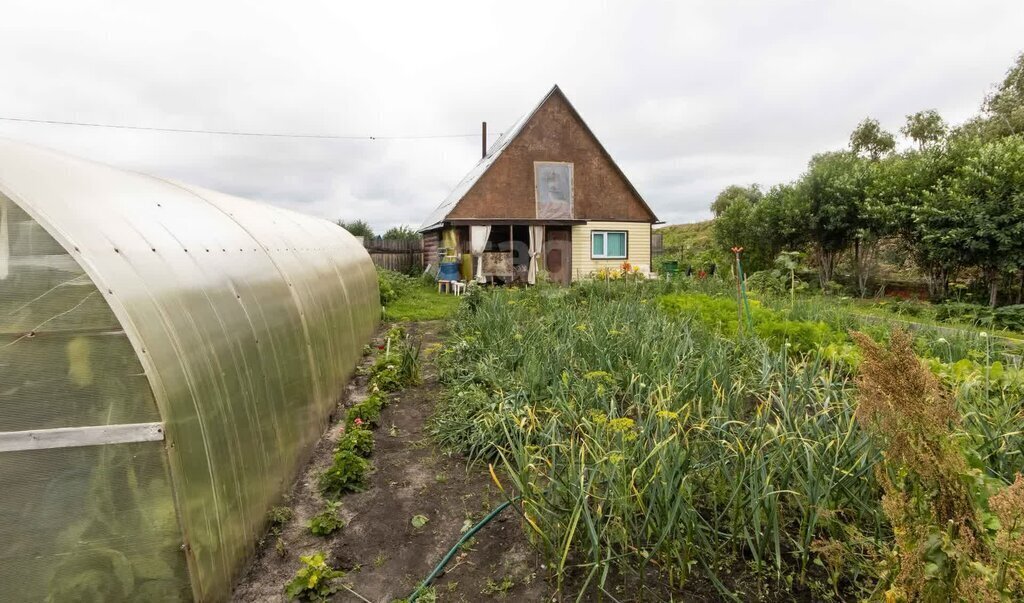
1010,318
393,285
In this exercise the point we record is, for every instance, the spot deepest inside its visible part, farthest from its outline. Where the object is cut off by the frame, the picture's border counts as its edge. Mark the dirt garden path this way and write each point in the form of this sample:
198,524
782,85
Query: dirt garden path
384,556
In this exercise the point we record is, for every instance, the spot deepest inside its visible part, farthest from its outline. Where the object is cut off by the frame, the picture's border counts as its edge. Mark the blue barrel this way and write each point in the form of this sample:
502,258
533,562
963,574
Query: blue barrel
449,271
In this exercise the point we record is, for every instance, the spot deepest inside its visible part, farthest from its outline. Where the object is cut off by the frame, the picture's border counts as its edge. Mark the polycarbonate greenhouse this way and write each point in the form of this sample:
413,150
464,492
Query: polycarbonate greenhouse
168,358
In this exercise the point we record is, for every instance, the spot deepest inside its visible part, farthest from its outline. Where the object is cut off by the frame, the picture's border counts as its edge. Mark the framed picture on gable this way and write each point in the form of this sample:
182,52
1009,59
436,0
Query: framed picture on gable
553,183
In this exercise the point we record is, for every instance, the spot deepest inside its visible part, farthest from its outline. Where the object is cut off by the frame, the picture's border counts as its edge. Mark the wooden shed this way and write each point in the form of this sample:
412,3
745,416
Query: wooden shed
545,196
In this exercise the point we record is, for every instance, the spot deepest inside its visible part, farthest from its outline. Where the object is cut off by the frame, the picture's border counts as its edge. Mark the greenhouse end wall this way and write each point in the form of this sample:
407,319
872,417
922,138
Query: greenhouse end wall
232,324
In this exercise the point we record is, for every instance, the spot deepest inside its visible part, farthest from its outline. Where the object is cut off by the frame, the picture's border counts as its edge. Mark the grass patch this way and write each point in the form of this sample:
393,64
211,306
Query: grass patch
421,303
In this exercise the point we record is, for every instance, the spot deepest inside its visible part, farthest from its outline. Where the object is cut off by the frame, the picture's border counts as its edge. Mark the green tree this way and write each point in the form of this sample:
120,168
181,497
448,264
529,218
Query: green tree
894,192
1002,112
733,193
359,228
401,233
925,128
869,139
1004,108
875,224
834,188
781,219
975,216
762,228
900,188
735,227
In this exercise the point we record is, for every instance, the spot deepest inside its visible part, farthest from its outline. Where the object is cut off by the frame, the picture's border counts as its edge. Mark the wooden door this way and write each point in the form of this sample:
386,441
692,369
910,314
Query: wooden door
558,253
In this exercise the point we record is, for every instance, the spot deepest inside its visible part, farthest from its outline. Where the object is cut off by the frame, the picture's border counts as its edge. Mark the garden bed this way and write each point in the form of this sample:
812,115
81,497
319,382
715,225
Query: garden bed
383,556
652,427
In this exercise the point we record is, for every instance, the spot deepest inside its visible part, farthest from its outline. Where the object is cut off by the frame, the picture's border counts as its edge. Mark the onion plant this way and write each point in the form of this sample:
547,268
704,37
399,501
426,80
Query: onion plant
646,441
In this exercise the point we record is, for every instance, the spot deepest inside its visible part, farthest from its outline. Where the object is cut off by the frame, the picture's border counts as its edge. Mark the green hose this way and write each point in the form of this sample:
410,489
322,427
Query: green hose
451,553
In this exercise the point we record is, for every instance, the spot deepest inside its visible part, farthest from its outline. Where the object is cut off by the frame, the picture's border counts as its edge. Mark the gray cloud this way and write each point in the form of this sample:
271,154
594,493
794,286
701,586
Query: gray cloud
688,97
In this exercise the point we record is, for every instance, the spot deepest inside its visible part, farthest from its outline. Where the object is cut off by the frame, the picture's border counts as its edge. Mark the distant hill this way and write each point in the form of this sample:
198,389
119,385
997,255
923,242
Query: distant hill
688,240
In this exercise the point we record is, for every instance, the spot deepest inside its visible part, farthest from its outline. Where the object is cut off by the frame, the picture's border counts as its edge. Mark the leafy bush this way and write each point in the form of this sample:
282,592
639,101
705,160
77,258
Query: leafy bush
357,440
387,375
326,522
910,307
1010,318
401,233
314,581
973,314
393,285
768,281
359,228
905,307
346,474
472,297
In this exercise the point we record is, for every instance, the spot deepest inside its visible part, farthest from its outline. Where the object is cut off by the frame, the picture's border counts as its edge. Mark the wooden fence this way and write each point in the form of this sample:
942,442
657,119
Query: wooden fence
657,244
395,254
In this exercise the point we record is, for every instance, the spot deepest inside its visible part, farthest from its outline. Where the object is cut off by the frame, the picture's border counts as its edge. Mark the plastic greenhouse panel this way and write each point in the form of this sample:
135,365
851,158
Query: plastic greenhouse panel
241,321
92,523
88,522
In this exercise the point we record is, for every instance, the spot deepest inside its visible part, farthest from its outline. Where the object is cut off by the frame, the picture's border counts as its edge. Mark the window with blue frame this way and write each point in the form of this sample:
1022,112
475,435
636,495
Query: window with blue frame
608,244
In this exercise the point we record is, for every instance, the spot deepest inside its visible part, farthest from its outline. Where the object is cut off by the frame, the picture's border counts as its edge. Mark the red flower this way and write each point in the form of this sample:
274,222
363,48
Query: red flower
626,267
358,422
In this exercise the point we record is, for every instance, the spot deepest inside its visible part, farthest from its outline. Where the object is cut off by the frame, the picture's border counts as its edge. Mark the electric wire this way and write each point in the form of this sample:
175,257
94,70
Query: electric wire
56,122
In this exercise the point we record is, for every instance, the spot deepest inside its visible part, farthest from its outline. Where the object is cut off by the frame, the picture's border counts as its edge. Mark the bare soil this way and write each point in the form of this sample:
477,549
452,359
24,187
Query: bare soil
384,556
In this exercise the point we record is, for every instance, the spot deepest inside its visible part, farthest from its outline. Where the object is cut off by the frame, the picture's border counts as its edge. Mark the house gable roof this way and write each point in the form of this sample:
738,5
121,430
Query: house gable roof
437,218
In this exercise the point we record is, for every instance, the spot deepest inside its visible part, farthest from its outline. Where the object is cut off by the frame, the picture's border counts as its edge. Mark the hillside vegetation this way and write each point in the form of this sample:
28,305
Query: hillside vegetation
696,237
690,243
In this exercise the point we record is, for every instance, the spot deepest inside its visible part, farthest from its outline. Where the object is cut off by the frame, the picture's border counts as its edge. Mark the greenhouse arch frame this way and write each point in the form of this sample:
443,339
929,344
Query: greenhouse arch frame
169,356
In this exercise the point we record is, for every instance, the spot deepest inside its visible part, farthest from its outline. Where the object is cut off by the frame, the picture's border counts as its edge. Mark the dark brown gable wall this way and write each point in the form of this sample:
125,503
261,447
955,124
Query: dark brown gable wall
553,134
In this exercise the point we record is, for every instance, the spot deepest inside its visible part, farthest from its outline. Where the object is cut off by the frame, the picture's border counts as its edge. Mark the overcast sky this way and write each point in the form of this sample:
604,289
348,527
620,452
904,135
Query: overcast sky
688,97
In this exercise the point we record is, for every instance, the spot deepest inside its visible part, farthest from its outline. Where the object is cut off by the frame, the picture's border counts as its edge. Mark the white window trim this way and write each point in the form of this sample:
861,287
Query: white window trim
604,235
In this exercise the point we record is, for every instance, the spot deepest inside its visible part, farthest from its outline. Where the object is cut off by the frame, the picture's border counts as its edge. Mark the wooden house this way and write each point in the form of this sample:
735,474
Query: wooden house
545,196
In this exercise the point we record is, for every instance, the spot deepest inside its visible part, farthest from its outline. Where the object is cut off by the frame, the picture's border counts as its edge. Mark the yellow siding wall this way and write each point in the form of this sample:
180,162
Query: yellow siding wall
639,247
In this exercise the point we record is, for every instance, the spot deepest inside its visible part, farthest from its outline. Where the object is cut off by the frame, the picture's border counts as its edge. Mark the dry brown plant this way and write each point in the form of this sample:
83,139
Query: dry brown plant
903,405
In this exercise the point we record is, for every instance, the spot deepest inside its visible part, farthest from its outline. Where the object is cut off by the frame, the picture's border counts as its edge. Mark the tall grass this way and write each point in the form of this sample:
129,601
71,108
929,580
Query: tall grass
644,442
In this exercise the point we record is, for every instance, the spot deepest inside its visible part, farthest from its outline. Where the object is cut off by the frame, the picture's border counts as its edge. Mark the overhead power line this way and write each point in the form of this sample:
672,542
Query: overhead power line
54,122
